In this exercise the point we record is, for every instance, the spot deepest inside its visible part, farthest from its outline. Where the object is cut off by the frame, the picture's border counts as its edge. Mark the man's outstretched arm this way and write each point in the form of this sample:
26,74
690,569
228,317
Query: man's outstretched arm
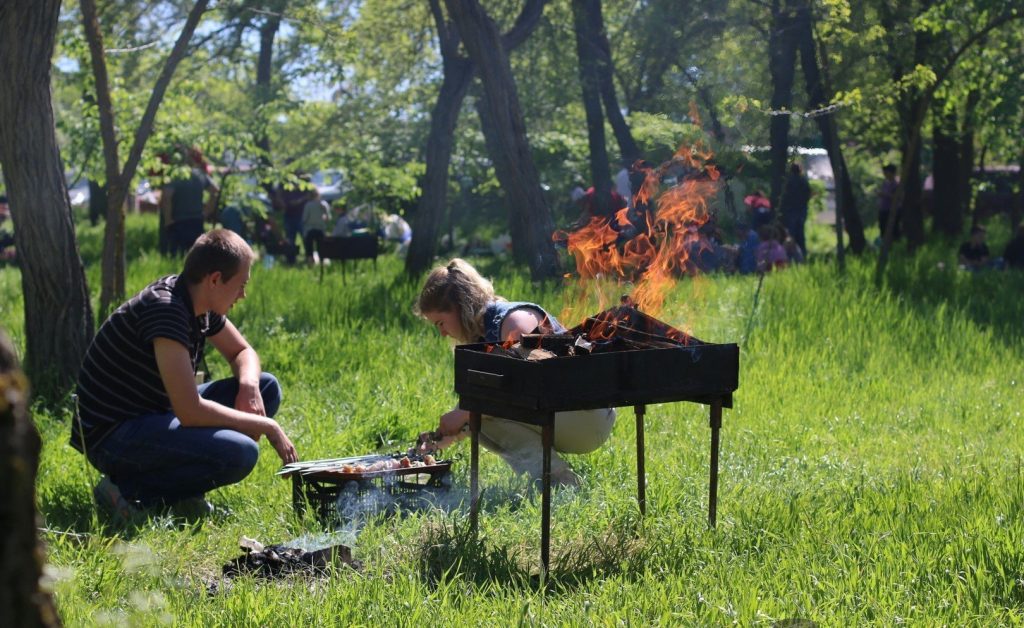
175,367
245,364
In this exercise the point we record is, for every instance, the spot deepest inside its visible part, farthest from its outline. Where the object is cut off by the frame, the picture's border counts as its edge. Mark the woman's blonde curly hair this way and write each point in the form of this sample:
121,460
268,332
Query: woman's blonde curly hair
458,287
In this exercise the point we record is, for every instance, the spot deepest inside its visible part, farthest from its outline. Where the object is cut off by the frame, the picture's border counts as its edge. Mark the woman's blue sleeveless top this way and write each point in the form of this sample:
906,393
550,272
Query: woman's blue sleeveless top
496,312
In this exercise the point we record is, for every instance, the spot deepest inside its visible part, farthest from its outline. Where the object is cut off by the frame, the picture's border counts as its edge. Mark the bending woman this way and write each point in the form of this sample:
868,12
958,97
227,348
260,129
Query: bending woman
461,304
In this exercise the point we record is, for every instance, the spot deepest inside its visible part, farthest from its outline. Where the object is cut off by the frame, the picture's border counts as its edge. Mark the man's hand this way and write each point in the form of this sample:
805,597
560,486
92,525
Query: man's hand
284,447
250,400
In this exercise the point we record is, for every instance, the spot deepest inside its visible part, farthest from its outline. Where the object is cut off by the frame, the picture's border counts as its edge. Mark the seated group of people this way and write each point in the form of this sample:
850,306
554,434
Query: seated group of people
162,440
974,254
764,249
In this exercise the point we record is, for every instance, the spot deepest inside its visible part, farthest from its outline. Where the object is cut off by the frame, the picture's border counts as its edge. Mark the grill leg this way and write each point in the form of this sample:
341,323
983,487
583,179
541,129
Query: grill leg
716,424
298,500
641,475
474,471
548,438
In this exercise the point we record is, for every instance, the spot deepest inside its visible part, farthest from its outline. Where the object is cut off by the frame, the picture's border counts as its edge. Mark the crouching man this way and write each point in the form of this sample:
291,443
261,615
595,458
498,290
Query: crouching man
157,437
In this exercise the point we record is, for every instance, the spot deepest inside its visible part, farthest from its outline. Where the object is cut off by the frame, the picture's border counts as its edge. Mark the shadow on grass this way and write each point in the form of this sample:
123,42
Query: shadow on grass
82,517
450,551
928,287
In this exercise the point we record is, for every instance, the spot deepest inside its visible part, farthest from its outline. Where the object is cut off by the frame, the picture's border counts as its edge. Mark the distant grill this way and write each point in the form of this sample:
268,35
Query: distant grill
620,357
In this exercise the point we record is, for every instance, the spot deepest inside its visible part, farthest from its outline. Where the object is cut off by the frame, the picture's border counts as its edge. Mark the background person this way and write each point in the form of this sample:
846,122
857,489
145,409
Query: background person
759,209
182,205
770,252
795,198
291,201
158,438
461,304
1013,256
315,216
886,192
974,254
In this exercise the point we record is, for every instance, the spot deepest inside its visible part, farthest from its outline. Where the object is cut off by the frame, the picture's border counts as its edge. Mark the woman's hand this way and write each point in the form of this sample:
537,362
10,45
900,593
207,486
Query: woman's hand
452,422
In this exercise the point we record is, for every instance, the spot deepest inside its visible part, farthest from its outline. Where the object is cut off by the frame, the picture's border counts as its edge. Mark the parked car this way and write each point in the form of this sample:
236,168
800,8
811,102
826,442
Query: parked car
331,184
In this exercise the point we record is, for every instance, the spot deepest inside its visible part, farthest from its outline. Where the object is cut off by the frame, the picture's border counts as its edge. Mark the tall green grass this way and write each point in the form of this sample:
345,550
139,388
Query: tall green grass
870,472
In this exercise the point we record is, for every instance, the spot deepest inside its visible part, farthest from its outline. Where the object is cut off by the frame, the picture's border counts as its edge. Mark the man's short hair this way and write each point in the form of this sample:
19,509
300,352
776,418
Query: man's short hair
889,168
219,250
978,229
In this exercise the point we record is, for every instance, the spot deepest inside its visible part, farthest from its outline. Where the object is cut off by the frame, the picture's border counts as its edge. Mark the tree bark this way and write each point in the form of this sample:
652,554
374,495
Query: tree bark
818,98
947,199
1017,210
782,65
119,179
513,162
517,229
458,76
264,75
965,143
590,81
22,556
628,149
58,317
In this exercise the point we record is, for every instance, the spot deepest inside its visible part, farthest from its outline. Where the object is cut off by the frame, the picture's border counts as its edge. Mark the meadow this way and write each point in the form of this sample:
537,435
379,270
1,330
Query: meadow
870,472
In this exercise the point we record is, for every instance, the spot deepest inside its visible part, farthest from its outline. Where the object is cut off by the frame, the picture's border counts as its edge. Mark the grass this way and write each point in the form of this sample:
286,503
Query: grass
870,472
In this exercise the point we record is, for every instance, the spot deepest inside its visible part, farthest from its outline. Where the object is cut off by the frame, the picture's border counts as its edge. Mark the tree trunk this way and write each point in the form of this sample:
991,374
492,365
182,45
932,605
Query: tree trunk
22,603
947,195
965,141
517,229
58,318
782,65
911,212
1017,210
587,53
912,184
818,98
458,75
513,162
264,74
628,149
119,179
112,265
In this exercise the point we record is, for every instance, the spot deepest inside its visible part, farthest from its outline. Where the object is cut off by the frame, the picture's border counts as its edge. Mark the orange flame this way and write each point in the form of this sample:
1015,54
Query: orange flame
650,248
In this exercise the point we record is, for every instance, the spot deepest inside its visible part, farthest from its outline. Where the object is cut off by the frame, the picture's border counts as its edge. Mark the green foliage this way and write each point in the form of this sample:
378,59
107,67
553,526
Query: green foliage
870,470
660,137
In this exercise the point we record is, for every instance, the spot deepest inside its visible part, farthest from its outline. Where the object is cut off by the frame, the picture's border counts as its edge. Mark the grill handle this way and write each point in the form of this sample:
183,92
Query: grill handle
483,378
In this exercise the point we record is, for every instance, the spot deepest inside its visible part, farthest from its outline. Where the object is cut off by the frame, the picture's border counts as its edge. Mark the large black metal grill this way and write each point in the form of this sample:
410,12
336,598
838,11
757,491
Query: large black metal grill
620,357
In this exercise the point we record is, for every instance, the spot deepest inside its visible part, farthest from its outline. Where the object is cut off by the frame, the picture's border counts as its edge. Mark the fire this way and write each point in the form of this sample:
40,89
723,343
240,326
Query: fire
649,248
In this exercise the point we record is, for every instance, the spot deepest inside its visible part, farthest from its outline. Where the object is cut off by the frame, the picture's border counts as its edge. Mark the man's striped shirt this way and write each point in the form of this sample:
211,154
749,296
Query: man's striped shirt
119,379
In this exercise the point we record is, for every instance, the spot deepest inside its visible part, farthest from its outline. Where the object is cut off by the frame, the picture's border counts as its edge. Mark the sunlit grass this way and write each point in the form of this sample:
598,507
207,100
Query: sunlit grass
870,471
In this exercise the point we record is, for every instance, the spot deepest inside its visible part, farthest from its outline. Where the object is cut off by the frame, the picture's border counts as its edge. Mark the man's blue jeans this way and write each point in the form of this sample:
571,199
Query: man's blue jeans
155,460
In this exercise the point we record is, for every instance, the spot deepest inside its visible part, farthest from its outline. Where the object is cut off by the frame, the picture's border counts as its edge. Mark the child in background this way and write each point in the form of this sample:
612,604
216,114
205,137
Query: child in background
974,254
770,253
315,215
342,228
746,258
